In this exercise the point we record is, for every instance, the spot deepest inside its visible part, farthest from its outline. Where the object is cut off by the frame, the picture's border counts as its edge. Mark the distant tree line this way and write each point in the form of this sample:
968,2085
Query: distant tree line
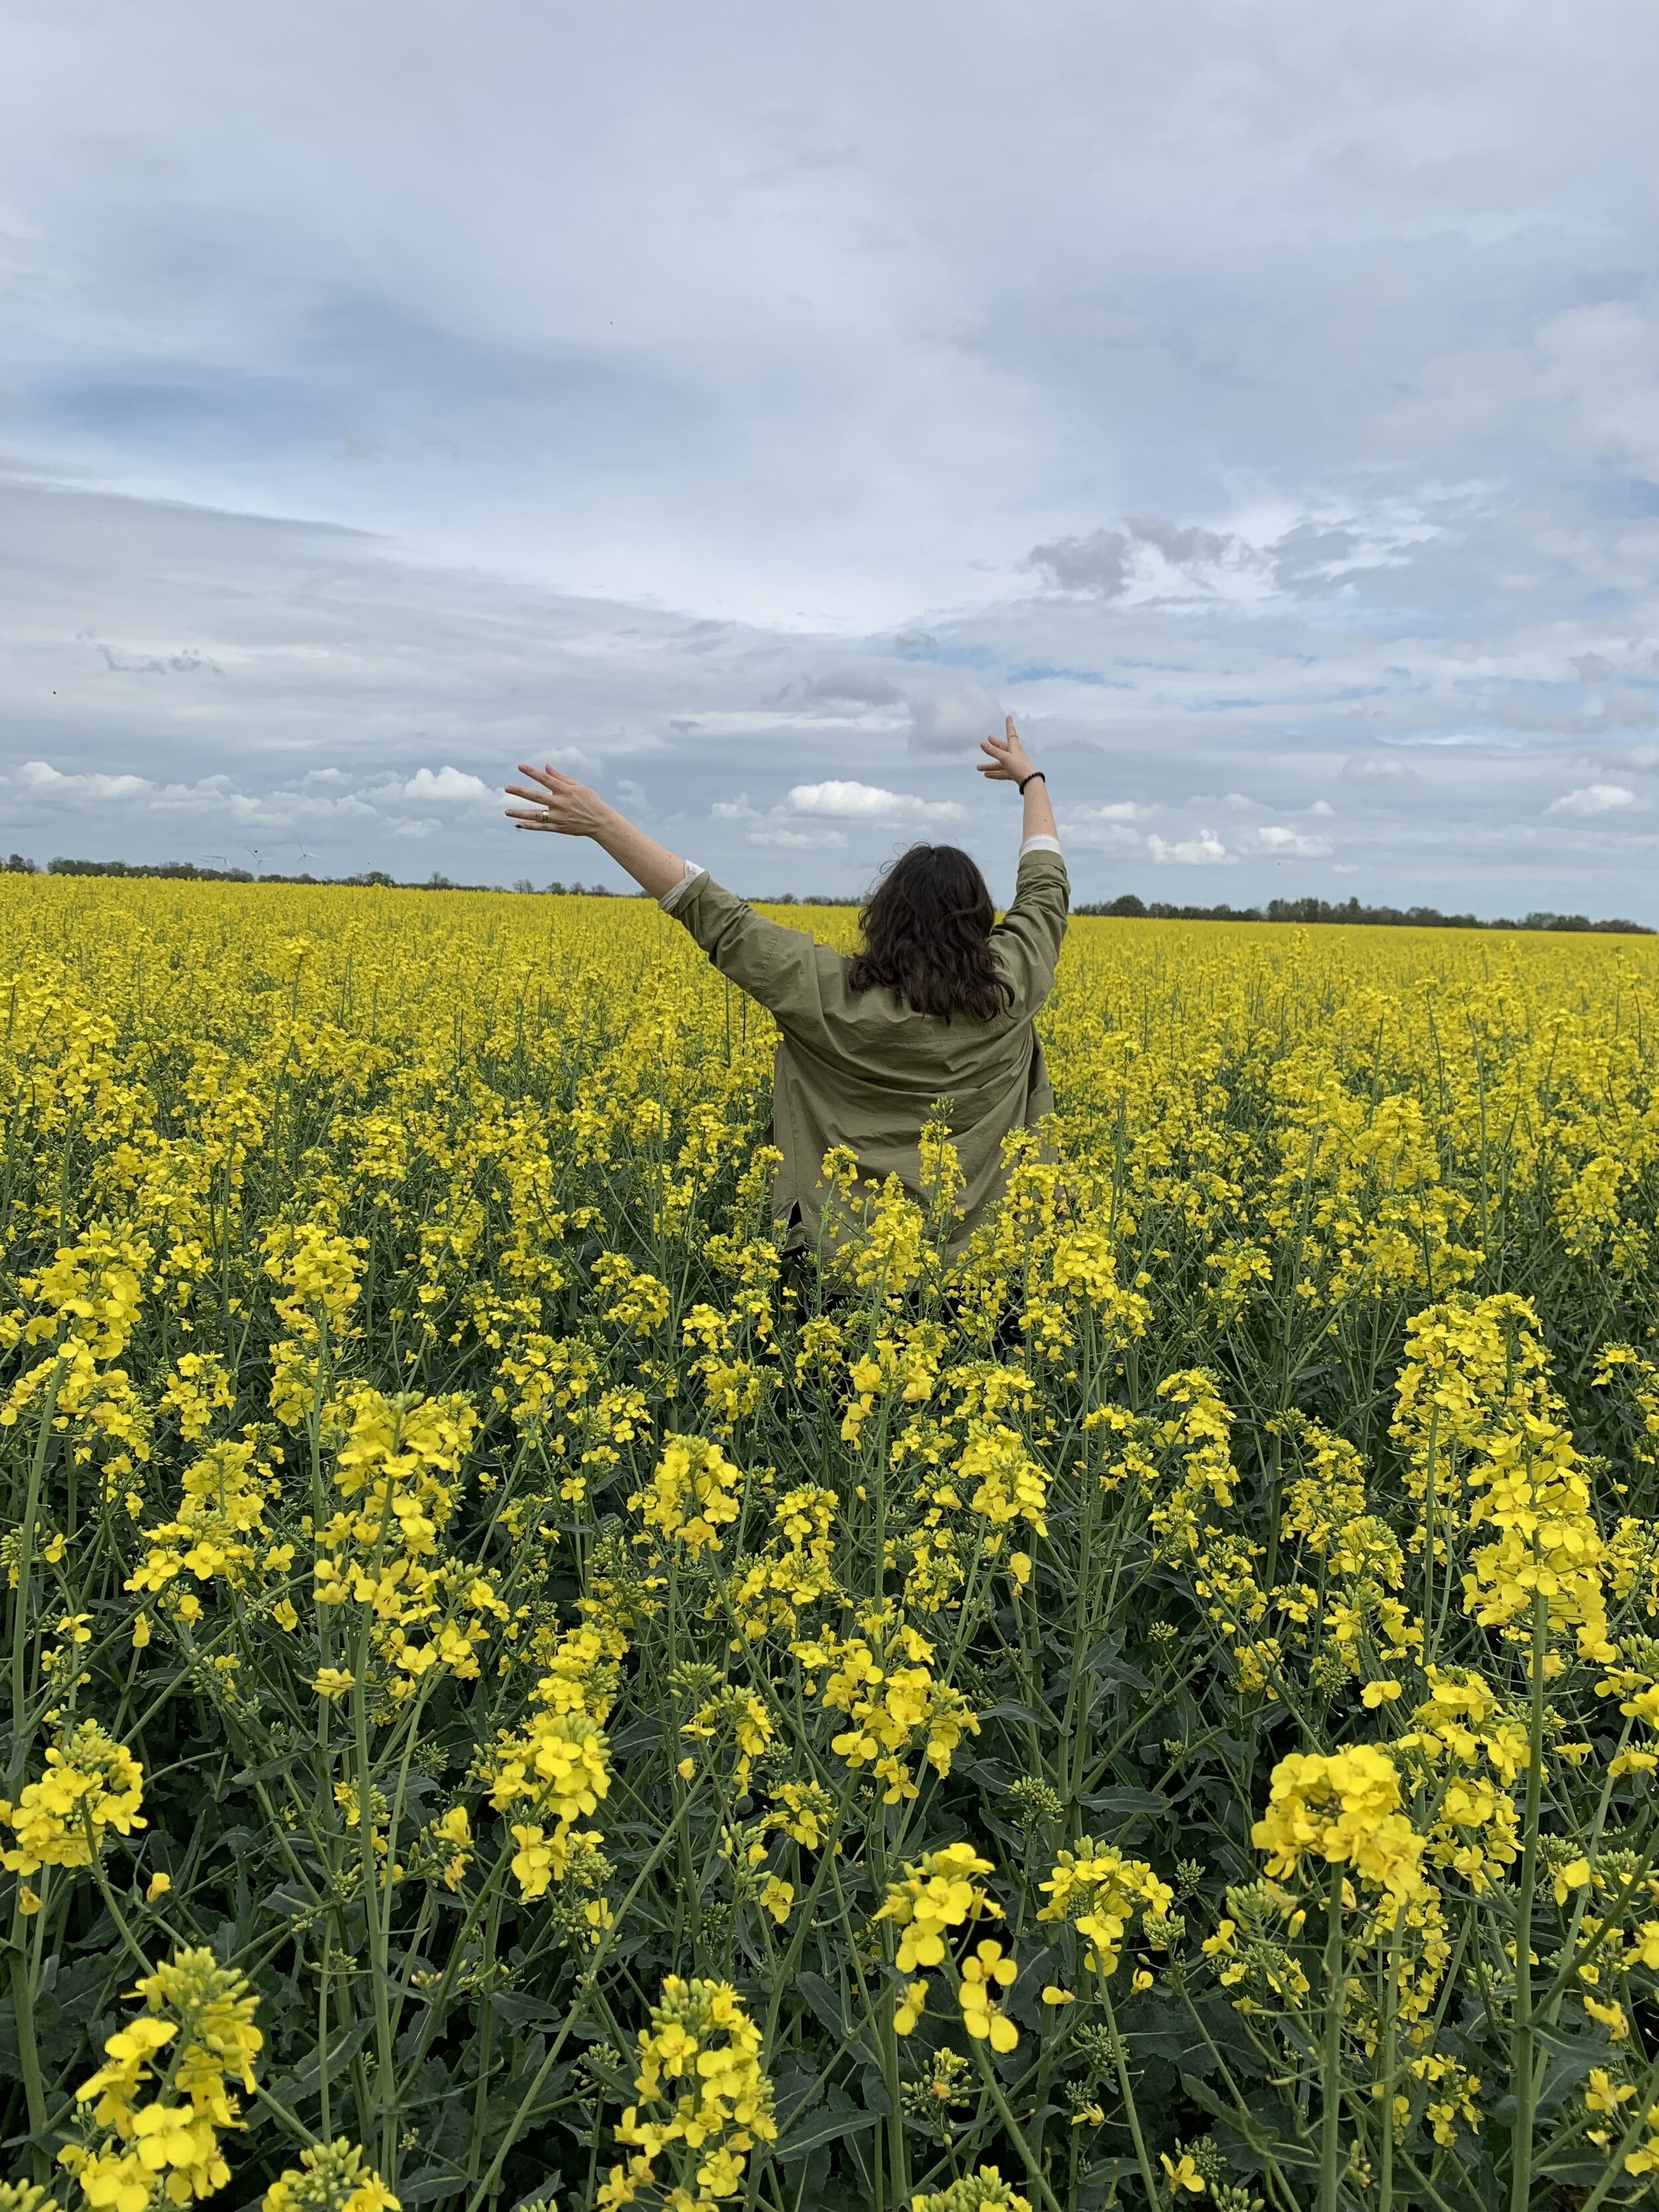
193,871
1127,905
1350,911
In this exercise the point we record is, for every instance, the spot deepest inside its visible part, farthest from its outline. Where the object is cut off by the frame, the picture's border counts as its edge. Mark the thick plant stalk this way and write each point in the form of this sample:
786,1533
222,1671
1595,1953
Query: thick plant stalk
1523,2040
375,1910
1121,2060
34,2090
20,1607
22,1982
1388,2063
1330,2137
994,2090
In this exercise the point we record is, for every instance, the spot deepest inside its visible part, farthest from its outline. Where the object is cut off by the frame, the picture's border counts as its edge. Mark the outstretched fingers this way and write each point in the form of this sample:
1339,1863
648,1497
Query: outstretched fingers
546,780
1008,762
545,788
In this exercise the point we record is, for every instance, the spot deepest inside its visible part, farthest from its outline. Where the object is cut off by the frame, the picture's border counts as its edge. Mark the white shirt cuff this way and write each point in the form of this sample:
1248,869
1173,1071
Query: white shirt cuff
1043,844
672,897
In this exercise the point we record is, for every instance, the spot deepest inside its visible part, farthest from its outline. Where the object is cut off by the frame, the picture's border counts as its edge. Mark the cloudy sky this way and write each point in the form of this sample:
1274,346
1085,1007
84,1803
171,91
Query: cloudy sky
745,406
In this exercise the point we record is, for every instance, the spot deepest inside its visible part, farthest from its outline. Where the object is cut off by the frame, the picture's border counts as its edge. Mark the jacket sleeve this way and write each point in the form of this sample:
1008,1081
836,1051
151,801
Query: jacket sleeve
1028,939
778,967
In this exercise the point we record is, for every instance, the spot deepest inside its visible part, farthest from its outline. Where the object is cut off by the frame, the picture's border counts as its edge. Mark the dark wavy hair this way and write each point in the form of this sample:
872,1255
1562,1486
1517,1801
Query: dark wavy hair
927,936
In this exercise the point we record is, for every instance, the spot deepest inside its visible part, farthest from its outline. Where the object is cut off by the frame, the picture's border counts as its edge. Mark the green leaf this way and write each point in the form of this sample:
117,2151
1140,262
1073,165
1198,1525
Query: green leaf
1127,1804
826,2123
826,2005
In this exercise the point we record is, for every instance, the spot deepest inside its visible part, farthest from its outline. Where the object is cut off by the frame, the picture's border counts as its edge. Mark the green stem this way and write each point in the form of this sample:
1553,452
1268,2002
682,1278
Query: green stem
34,2087
1387,2060
324,2086
1641,2113
126,1933
295,2126
1330,2139
1121,2060
1522,2047
375,1907
993,2090
551,2060
20,1618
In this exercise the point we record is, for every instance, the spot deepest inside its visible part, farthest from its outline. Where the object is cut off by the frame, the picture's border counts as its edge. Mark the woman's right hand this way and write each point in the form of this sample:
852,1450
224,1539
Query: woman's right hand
1010,762
558,803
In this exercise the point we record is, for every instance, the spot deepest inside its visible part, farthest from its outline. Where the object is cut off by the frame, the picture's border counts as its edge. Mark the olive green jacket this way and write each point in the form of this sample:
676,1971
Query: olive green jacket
860,1068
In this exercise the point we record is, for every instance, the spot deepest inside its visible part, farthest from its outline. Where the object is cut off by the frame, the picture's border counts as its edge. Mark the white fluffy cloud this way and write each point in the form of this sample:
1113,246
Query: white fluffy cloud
1100,837
1593,798
1193,852
450,786
1381,770
322,800
1283,844
1114,810
869,802
40,781
799,841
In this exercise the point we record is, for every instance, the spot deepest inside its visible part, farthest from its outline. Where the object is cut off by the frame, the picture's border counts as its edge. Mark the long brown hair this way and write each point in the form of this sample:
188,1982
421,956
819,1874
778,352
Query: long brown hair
927,936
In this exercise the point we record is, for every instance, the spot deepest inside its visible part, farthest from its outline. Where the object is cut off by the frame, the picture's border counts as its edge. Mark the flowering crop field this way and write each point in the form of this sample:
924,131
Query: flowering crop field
517,1693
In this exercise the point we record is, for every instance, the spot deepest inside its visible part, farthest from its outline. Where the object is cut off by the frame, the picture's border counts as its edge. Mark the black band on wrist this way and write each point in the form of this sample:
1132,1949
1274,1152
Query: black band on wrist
1032,778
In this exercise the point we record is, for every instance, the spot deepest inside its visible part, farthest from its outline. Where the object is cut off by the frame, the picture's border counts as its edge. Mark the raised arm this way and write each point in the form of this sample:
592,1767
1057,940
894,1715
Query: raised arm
569,809
1010,762
1028,937
775,965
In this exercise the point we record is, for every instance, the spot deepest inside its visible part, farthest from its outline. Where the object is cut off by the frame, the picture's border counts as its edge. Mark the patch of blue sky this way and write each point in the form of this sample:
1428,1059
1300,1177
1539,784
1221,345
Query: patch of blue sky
1419,619
1632,497
588,405
953,654
1512,690
196,411
1049,671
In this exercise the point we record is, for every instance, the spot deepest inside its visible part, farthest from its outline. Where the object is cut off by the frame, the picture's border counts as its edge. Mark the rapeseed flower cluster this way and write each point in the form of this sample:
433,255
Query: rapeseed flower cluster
555,1770
700,2073
941,1892
1343,1809
1101,1893
692,1495
164,2095
329,2177
92,1785
882,1680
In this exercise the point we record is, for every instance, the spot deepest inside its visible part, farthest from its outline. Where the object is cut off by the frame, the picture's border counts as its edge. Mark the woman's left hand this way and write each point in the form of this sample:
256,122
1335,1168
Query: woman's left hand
558,803
1009,761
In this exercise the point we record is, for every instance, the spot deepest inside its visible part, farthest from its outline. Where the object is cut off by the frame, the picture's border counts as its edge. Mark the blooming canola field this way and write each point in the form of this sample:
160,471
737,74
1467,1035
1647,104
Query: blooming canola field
518,1695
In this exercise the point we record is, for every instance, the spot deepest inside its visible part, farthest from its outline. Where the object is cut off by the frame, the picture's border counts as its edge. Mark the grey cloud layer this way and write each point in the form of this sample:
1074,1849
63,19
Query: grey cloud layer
1260,401
273,696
